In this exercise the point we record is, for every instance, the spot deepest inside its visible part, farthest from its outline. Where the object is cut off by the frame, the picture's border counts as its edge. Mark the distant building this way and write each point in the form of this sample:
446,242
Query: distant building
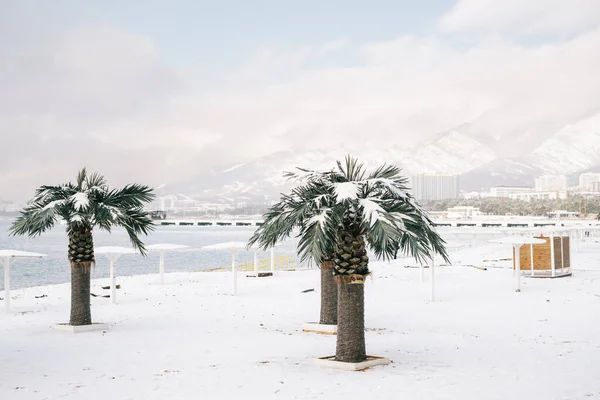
9,207
463,212
589,181
507,191
434,187
547,183
528,196
562,214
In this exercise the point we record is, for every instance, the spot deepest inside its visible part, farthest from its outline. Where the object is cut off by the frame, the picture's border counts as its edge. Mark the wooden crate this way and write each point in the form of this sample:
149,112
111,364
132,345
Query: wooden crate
542,255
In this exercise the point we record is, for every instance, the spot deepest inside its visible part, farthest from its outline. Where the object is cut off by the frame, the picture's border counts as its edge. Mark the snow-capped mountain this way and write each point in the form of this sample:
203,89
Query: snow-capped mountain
454,151
571,150
574,148
481,159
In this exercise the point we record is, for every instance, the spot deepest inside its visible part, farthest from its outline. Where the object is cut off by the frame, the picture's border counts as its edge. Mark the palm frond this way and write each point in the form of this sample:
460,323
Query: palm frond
352,170
380,208
318,235
136,222
130,196
81,177
276,226
42,211
385,171
383,238
86,204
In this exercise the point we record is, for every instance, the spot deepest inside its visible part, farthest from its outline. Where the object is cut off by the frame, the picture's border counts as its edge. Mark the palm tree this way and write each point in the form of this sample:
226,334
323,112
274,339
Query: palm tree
290,213
85,205
345,211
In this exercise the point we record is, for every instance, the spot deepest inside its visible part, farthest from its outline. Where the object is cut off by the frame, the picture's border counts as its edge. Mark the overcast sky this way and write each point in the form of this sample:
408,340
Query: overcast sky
152,90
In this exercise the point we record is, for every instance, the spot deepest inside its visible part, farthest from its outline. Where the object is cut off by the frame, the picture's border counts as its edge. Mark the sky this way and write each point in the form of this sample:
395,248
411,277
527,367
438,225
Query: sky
155,91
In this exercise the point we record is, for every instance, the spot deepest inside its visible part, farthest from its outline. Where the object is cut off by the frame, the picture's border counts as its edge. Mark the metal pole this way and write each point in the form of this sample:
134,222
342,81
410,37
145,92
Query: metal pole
233,273
517,248
113,281
161,266
255,263
562,255
272,259
422,272
531,257
432,278
552,259
7,284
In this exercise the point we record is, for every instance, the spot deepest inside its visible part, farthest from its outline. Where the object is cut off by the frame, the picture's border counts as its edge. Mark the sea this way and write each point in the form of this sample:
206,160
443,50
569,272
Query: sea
55,269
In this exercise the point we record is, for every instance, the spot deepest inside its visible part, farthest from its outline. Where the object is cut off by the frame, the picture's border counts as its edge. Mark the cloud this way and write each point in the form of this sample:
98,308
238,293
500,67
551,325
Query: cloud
102,96
518,17
405,89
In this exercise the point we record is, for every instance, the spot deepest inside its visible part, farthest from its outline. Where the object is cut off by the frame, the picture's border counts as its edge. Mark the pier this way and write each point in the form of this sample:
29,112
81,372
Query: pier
508,222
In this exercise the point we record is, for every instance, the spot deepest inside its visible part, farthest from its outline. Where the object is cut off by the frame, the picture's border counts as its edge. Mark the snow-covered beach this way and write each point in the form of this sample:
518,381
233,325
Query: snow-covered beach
190,338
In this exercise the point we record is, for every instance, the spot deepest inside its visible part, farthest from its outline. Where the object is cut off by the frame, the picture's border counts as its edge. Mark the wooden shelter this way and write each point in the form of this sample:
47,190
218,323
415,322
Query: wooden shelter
550,259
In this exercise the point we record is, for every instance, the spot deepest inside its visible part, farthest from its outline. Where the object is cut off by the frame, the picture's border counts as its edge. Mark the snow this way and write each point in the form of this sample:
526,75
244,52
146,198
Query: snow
233,168
371,209
345,191
390,185
226,246
113,250
517,240
20,254
320,218
165,246
53,203
80,200
188,338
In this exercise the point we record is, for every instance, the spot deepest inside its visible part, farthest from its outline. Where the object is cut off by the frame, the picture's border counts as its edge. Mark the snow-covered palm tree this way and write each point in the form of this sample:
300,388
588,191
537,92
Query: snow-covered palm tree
85,205
341,213
291,213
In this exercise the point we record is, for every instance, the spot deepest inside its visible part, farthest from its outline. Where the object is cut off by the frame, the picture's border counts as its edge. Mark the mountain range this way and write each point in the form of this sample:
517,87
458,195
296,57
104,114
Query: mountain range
482,160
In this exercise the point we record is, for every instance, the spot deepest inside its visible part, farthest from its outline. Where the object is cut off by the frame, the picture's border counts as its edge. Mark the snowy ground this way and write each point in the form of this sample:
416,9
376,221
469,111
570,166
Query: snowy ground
190,339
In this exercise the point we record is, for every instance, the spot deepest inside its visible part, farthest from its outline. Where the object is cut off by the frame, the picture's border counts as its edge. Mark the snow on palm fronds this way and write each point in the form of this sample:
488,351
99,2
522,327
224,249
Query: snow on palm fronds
80,200
87,203
378,206
346,191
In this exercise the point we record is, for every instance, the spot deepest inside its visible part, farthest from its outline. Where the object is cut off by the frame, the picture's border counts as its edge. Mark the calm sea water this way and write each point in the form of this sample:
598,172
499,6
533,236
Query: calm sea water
55,268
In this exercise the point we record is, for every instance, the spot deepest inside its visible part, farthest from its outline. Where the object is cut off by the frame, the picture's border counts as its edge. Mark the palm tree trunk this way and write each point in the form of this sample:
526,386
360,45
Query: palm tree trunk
329,295
81,256
81,313
350,346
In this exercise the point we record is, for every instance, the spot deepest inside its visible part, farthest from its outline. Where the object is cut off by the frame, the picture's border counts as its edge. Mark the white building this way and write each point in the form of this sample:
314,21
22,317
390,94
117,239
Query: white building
434,187
463,212
589,181
9,207
528,196
547,183
507,191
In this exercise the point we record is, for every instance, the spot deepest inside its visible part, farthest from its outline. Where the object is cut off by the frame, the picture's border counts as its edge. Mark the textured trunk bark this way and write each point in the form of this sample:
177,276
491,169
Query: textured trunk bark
81,256
329,295
350,346
81,313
